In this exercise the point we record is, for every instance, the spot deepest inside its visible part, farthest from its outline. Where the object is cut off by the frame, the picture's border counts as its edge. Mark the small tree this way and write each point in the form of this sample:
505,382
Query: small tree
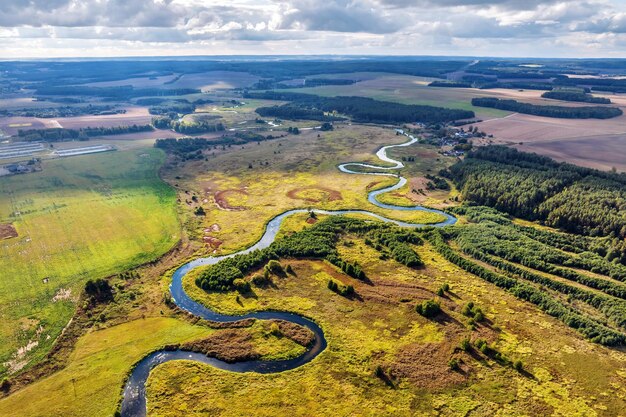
428,308
241,285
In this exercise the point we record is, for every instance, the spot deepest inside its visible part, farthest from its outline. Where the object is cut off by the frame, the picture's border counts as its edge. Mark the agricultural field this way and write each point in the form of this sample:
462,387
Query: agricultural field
408,90
80,218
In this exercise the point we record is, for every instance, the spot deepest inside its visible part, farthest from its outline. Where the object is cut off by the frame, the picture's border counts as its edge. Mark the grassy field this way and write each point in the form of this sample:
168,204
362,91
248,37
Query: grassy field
379,327
296,172
81,218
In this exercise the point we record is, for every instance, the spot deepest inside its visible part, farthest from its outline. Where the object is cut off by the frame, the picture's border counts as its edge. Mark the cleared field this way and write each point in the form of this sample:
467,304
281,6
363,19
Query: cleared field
215,80
133,116
599,152
11,125
409,90
82,217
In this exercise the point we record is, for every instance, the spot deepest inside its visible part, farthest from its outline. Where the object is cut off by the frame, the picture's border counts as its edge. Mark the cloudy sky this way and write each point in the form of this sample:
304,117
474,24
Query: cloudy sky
81,28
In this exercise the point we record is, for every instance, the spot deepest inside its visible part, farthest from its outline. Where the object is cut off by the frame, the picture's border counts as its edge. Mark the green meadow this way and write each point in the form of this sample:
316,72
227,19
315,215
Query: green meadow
81,218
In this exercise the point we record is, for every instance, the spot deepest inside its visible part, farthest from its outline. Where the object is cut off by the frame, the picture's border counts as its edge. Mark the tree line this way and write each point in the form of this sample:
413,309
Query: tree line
587,112
61,134
363,109
575,96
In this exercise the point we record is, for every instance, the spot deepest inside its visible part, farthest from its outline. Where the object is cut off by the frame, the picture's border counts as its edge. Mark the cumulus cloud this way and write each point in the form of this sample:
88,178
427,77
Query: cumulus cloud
356,26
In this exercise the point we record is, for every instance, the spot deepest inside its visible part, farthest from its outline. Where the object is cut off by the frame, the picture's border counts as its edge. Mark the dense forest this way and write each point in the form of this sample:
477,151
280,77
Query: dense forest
576,199
318,241
575,96
60,134
362,109
595,112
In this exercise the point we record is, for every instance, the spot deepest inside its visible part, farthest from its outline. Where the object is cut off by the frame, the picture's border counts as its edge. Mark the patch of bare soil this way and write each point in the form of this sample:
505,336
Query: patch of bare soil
222,202
332,195
213,228
372,185
7,231
212,242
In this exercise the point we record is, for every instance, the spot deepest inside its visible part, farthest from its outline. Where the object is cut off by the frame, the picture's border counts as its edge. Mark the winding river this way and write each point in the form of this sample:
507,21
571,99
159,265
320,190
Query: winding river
134,396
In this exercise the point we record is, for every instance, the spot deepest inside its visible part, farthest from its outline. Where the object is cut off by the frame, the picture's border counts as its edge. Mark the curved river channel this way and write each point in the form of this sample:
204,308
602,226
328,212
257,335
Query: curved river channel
134,396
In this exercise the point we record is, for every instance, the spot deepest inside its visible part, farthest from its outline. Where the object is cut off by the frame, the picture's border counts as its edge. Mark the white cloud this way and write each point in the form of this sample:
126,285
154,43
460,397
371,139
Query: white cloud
473,27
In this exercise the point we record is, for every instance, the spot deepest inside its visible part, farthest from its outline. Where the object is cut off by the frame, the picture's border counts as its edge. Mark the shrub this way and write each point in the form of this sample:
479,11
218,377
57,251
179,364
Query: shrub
518,365
241,285
428,308
465,345
454,364
481,345
99,290
261,280
343,290
274,267
5,385
440,292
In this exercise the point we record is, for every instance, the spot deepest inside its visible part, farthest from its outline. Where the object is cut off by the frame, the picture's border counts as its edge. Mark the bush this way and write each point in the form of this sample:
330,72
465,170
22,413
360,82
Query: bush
5,385
465,345
481,345
261,280
518,365
454,364
343,290
428,308
99,290
241,285
274,267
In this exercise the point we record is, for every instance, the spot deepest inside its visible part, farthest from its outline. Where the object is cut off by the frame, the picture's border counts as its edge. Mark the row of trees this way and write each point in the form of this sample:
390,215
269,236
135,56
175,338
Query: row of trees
589,112
362,109
60,134
575,96
185,147
587,326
